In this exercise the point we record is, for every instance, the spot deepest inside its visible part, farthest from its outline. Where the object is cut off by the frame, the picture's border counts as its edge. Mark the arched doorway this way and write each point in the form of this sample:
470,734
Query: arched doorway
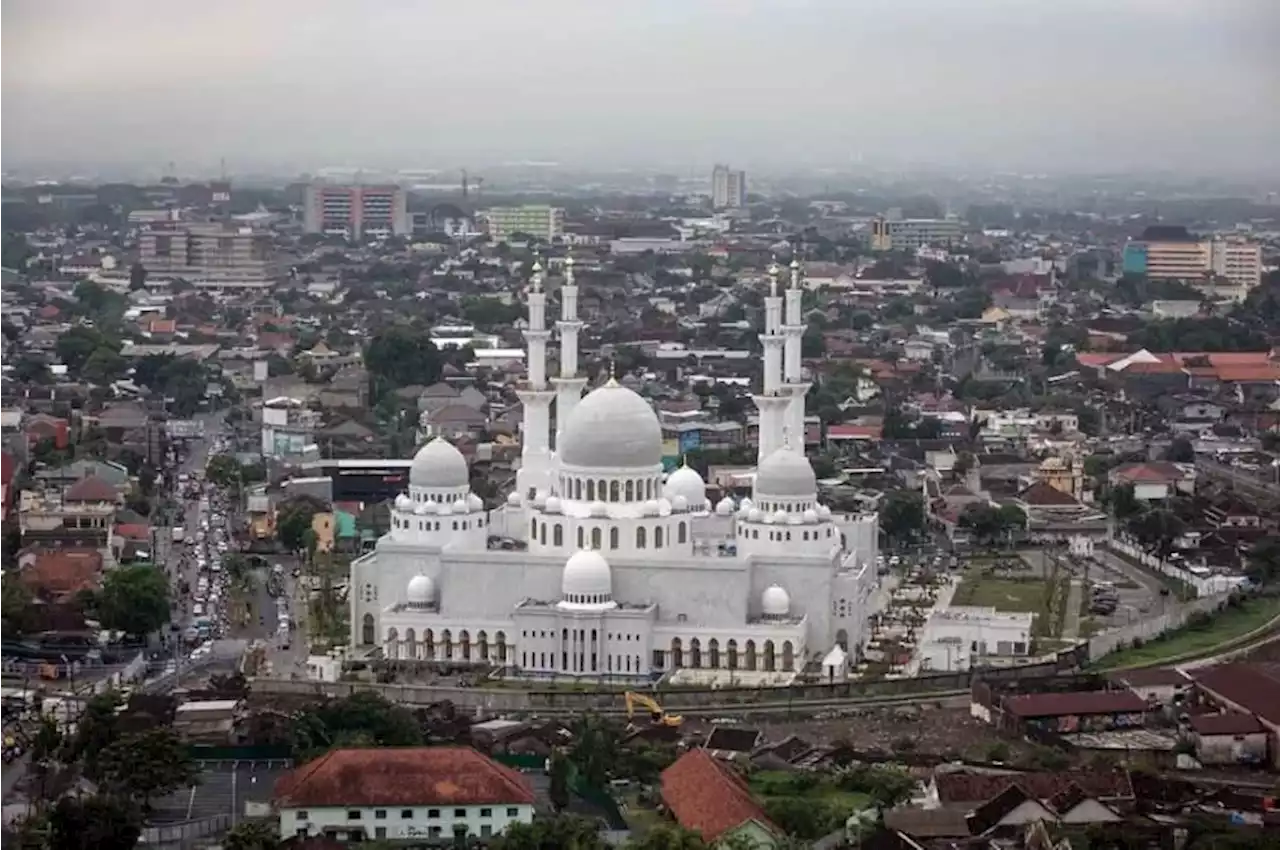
410,645
770,662
464,643
751,655
392,650
842,639
713,649
429,644
501,640
677,654
788,657
733,654
368,632
446,644
695,653
482,643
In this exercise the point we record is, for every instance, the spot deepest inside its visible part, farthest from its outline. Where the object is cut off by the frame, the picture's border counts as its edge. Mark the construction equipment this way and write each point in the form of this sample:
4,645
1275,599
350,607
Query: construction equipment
656,713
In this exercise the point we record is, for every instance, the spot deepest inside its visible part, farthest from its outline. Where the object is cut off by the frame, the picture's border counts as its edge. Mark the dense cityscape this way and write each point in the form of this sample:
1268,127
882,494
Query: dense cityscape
766,501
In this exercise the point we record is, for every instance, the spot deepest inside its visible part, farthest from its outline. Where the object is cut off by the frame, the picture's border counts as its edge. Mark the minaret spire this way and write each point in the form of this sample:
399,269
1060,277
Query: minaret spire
535,395
771,404
569,385
794,385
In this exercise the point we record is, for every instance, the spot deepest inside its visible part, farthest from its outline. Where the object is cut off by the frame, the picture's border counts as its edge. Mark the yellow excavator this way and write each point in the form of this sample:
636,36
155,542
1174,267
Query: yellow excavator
656,712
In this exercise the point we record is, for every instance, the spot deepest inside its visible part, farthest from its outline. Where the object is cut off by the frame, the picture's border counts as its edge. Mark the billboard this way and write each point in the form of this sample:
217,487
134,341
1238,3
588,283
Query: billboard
184,429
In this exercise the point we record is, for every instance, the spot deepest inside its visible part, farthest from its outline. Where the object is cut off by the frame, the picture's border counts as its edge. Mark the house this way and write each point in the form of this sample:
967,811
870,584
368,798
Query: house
1155,480
42,427
1073,711
730,741
57,576
952,788
1248,688
1228,737
402,793
450,421
708,797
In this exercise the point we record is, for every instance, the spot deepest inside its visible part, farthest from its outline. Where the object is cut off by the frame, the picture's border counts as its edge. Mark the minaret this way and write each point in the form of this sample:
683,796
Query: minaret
536,397
569,385
771,403
795,387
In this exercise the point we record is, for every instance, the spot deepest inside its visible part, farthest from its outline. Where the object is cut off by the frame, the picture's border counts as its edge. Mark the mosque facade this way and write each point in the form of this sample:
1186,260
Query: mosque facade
599,565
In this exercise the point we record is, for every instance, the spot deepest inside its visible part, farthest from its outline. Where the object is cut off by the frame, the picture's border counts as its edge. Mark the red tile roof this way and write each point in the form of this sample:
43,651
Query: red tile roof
1042,494
961,786
62,574
1075,702
1252,687
1227,723
708,797
408,776
91,488
1151,471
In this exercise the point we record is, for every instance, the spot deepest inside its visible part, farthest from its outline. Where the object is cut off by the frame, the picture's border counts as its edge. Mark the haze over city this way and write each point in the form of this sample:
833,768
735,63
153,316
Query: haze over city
1092,84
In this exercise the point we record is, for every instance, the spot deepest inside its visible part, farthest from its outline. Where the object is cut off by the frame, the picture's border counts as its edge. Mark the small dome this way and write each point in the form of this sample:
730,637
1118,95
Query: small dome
810,515
439,464
514,500
748,503
664,507
586,576
430,507
540,499
553,505
775,602
421,508
688,483
724,507
753,514
421,590
781,517
474,502
599,509
679,503
461,507
651,507
824,511
404,503
612,428
786,473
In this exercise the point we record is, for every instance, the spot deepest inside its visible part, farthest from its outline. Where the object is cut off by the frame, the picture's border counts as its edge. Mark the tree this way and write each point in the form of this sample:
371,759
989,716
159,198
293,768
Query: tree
562,832
401,355
31,369
137,276
902,516
668,837
339,722
1181,451
96,729
293,523
16,604
1263,561
253,835
147,764
560,771
1157,529
95,822
990,523
134,599
1124,503
75,345
224,471
103,366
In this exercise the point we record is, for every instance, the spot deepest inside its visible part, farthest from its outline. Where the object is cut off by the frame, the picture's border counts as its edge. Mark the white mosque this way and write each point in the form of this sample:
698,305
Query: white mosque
625,573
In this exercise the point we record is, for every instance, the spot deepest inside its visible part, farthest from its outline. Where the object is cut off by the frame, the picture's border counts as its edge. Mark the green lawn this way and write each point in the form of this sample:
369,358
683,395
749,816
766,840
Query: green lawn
1230,624
1003,594
780,784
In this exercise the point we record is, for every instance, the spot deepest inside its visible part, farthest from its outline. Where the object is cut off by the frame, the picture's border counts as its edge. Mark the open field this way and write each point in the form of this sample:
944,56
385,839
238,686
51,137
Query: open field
1231,623
781,784
1004,594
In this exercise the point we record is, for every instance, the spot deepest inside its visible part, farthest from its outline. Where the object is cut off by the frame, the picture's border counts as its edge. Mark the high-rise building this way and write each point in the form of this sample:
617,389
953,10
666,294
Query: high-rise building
357,211
210,254
889,233
1237,260
1166,252
728,188
538,220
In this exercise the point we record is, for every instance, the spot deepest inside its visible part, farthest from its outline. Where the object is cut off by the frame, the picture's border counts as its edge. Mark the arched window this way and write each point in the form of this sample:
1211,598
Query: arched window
591,490
695,653
682,534
842,638
751,655
733,655
602,490
367,633
596,535
580,537
788,657
640,537
577,489
392,649
613,537
630,491
613,491
464,643
557,536
482,644
677,654
713,649
533,530
657,537
770,662
542,537
502,647
446,644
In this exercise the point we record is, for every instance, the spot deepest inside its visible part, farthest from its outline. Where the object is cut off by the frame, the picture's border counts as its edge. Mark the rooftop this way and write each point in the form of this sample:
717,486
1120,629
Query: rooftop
708,797
1074,702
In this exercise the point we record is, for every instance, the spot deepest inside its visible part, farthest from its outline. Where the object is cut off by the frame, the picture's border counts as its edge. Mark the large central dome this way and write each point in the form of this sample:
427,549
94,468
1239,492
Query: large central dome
612,428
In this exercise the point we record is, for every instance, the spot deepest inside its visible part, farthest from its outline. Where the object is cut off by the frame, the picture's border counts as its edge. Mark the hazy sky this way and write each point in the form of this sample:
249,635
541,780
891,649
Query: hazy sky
671,83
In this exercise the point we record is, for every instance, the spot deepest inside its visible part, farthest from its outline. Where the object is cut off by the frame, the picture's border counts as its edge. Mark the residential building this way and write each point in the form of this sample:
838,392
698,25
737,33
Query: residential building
82,516
961,638
538,220
889,233
1240,688
288,427
356,212
209,254
708,797
399,794
728,188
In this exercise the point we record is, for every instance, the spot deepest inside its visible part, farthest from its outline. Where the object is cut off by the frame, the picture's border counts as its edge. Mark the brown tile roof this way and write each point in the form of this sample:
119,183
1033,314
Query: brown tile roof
62,574
961,786
1074,702
1226,723
409,776
1153,677
1150,471
1252,687
708,797
91,488
1041,493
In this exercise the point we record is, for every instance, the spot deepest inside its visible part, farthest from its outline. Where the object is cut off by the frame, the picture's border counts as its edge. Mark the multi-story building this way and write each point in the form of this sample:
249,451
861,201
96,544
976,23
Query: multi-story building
1172,253
210,254
911,234
538,220
728,188
357,211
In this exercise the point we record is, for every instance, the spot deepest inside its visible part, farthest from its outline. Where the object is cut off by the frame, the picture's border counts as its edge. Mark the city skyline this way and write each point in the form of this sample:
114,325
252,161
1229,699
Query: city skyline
764,85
